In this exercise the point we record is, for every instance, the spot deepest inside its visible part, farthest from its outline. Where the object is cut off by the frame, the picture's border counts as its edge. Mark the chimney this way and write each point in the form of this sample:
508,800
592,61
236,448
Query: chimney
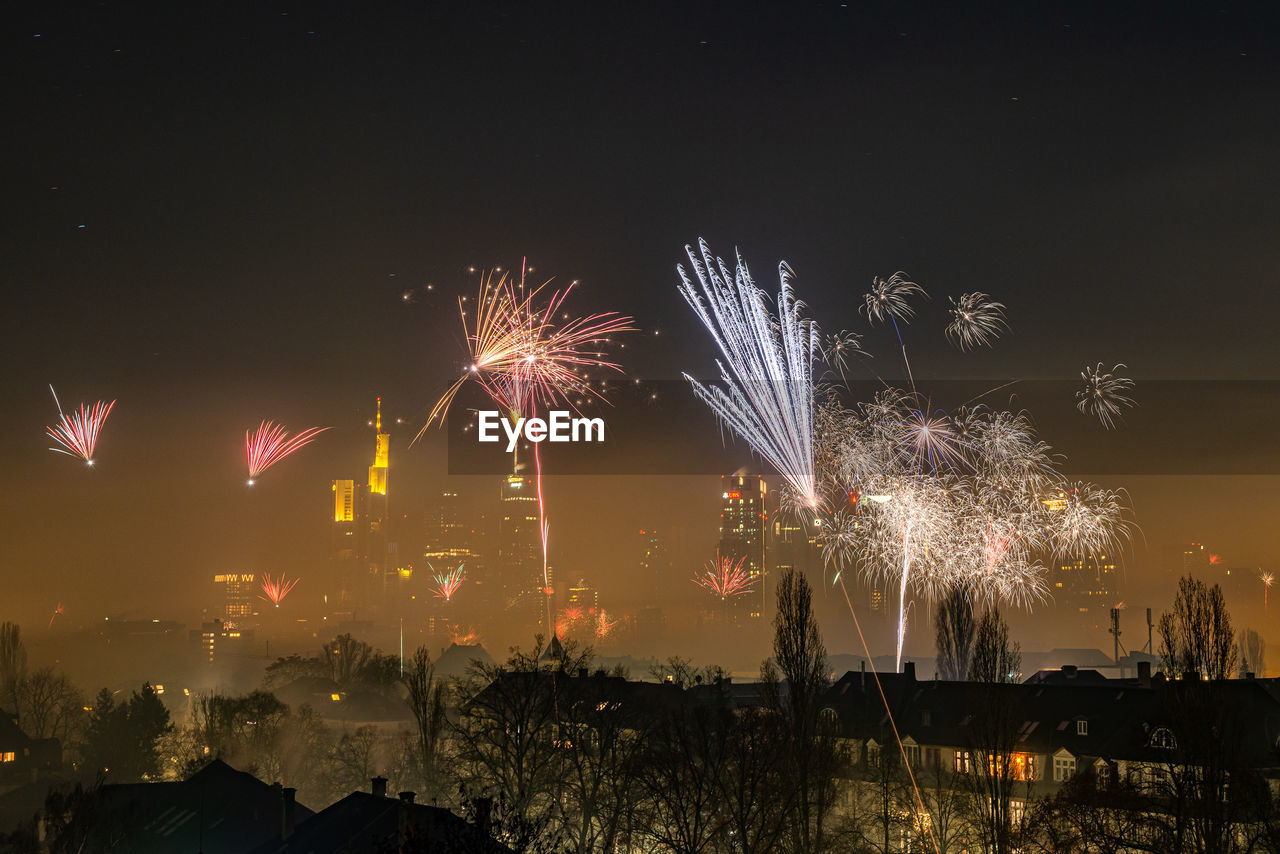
287,802
1144,674
1070,671
582,673
909,670
379,787
406,797
863,683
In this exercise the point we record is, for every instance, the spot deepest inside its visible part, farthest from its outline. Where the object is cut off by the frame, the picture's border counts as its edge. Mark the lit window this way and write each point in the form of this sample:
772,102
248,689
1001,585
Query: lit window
964,763
7,757
1082,727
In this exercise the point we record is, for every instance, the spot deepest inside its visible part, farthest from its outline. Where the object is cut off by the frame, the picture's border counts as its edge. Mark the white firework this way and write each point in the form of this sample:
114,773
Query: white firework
976,320
889,297
765,394
1105,393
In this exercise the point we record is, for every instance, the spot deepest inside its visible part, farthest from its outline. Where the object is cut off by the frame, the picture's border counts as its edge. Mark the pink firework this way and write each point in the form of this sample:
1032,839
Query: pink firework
447,583
78,433
271,443
726,577
274,590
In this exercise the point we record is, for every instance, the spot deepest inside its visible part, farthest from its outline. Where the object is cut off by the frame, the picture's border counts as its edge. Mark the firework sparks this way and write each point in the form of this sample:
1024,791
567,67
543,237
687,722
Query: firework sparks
448,582
1104,394
274,590
889,297
57,611
77,433
725,577
976,321
766,396
1267,580
604,625
271,443
838,348
523,354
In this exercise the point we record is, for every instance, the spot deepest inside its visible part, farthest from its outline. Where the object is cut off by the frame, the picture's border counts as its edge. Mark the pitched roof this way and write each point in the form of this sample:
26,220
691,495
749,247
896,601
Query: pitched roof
362,822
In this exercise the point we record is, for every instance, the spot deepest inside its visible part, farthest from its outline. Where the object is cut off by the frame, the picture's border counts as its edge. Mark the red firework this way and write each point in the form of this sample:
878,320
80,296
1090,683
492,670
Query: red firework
447,583
271,443
56,612
78,432
726,577
274,590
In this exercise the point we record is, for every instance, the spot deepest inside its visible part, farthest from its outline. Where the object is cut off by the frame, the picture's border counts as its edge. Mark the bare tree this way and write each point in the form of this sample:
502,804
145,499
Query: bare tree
681,779
955,627
13,664
801,659
1196,636
48,705
427,702
995,659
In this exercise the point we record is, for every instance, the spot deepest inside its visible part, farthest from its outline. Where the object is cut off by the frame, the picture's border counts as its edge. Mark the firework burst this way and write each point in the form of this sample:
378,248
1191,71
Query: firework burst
275,589
766,395
447,583
1105,394
1267,579
837,349
889,298
271,443
976,321
725,577
57,612
77,433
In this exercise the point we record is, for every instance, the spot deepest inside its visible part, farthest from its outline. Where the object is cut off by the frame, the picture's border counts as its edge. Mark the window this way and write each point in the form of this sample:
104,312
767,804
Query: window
913,754
1163,738
926,718
1064,768
932,757
7,757
830,720
1103,771
964,763
1082,727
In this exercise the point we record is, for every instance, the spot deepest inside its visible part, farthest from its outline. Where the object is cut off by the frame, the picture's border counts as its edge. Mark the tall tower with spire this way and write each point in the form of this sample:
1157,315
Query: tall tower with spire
381,452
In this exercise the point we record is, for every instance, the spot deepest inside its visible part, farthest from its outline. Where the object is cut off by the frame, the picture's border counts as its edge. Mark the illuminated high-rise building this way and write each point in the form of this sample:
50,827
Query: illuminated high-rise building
743,519
655,560
1195,560
238,594
520,545
452,542
360,546
1085,588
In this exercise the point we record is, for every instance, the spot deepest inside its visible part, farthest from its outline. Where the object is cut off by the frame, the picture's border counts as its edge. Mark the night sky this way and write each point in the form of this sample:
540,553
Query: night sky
215,214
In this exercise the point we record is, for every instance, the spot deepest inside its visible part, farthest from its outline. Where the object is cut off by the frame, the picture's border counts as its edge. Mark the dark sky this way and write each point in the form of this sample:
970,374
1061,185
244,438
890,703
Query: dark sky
212,211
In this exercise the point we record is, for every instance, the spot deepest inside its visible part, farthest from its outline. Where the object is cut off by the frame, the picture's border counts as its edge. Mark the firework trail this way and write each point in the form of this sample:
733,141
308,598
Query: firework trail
766,395
78,432
1105,394
447,583
1267,580
57,611
725,577
976,320
274,590
270,444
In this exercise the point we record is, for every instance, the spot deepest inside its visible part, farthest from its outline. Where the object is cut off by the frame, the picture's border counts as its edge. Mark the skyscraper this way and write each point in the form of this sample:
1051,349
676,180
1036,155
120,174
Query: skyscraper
238,593
451,542
742,527
1085,587
520,546
359,544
